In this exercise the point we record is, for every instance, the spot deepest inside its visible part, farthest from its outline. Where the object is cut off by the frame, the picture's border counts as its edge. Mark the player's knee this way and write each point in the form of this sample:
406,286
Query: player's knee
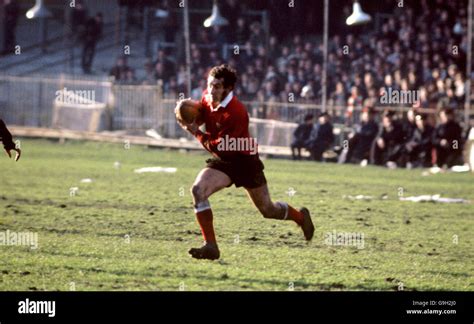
198,192
195,190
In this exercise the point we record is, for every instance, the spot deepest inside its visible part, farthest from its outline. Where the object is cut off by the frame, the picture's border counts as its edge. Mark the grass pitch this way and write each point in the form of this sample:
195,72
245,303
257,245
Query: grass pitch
129,231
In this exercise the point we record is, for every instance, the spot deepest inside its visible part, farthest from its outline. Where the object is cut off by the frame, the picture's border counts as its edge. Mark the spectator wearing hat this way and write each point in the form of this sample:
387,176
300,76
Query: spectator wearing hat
300,136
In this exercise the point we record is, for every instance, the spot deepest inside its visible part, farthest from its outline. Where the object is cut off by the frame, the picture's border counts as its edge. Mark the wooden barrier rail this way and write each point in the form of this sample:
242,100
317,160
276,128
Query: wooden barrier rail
121,137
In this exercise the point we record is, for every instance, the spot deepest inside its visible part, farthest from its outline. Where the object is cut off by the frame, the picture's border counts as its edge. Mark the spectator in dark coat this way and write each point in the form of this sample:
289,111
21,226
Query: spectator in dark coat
120,69
8,144
409,125
418,147
321,137
168,67
387,147
92,34
447,140
301,135
241,33
361,140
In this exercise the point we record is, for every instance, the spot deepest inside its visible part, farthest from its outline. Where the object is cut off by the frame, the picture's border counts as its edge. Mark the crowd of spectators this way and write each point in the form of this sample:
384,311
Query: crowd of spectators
393,142
420,48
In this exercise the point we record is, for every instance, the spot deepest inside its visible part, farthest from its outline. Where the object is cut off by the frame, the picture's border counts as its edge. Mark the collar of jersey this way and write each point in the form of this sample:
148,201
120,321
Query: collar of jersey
224,102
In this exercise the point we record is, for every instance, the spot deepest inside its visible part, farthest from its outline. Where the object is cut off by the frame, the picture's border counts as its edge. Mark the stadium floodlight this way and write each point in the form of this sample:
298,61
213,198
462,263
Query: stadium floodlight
216,18
38,11
358,16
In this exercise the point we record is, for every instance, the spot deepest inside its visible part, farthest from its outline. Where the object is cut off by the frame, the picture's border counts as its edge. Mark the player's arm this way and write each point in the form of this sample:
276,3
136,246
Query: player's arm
233,126
7,140
203,138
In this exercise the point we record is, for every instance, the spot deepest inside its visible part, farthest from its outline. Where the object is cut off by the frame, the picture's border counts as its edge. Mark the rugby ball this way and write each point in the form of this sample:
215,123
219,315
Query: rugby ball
188,110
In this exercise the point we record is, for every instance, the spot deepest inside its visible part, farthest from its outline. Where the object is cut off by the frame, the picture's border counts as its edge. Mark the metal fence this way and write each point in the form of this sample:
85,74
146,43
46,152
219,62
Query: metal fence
31,101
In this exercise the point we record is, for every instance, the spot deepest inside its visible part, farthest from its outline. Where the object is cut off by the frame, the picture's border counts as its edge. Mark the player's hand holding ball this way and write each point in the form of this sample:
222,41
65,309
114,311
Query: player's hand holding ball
188,113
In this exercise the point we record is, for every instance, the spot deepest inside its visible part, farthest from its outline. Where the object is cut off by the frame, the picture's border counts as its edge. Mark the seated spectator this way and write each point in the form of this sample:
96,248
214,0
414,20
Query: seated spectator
182,75
241,33
418,147
321,137
130,77
361,140
354,102
409,125
218,37
387,147
283,60
447,140
196,93
160,73
119,71
149,78
257,36
301,135
169,67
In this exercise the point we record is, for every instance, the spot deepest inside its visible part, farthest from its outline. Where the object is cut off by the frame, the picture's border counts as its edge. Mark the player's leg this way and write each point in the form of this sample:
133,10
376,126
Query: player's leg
280,210
207,182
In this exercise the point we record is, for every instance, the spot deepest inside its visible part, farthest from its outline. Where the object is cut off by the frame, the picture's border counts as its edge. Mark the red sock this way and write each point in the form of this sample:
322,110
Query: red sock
204,219
295,215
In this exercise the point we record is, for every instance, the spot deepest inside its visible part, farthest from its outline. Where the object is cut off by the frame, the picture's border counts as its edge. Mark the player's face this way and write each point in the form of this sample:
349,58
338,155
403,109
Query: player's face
215,87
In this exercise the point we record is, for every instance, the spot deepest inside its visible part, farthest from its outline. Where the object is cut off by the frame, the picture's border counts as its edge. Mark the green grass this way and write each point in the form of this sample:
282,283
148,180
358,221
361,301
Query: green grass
128,231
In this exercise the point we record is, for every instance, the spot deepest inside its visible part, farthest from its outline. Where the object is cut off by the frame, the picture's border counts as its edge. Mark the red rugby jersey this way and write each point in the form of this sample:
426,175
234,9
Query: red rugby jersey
227,128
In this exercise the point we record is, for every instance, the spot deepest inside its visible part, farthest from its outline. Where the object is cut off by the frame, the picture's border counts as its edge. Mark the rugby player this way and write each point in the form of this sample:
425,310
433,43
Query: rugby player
225,117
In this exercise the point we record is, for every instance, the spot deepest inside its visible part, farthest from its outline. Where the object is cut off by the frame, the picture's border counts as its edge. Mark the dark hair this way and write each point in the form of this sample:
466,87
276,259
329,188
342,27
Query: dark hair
389,114
370,110
448,111
308,117
225,72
